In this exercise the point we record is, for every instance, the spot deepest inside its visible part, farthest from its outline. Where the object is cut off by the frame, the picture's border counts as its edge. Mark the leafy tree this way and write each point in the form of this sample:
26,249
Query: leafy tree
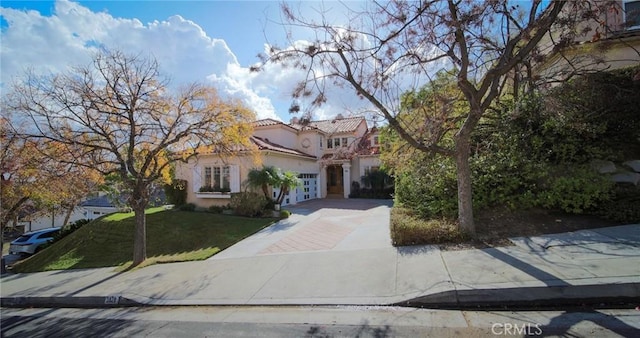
398,43
118,116
32,180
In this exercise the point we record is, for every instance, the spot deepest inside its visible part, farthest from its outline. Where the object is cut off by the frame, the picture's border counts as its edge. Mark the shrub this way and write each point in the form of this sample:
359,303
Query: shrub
187,207
428,187
249,204
69,228
216,209
270,205
623,206
408,228
285,213
575,190
176,192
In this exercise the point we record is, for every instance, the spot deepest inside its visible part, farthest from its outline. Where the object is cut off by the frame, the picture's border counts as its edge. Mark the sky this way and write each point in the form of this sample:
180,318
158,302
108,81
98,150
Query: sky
213,42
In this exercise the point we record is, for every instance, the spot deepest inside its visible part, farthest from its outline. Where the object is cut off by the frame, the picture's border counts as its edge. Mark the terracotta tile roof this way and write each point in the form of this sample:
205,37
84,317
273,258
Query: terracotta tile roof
343,125
266,122
264,144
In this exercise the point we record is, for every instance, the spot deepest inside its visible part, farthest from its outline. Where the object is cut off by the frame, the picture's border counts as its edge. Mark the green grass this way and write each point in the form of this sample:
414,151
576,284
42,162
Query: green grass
172,236
407,228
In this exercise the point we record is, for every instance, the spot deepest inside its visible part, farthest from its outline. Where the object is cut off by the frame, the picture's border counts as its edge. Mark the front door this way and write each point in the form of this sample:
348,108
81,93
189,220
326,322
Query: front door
334,180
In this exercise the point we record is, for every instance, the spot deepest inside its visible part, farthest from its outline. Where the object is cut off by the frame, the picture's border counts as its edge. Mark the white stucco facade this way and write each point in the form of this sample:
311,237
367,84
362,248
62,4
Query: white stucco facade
327,155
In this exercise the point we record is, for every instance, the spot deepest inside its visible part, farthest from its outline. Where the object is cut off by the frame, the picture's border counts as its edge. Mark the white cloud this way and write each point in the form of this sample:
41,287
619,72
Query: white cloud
69,36
185,52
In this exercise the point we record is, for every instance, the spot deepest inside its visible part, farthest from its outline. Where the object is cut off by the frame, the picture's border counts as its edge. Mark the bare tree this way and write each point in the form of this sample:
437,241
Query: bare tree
396,46
119,117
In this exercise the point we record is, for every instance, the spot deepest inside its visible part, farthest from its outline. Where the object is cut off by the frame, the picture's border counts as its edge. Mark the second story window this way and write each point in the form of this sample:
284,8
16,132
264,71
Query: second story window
336,142
329,143
344,142
376,140
632,14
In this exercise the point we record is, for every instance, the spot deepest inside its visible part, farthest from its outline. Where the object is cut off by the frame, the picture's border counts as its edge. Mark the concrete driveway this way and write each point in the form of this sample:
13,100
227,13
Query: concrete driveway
319,226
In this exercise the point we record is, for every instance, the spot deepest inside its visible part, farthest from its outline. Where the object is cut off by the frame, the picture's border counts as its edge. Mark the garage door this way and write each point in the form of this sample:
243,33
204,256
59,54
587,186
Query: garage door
306,191
309,188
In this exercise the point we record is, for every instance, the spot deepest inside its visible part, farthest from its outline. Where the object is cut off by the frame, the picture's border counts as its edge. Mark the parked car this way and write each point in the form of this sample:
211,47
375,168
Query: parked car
31,242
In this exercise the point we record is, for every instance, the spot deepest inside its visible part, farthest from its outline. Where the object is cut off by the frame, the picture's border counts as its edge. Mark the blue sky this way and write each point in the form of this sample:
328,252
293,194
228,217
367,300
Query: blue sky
207,41
242,24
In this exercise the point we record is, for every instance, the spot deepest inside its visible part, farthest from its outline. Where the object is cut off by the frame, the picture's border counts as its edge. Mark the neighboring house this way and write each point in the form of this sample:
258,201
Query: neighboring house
97,207
612,44
89,209
328,155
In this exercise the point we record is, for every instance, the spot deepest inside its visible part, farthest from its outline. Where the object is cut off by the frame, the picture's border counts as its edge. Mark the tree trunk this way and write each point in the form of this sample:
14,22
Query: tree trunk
138,201
465,196
67,215
140,236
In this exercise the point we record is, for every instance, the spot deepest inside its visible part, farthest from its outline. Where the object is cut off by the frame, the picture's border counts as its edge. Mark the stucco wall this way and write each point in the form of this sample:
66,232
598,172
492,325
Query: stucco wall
313,138
278,134
245,163
619,53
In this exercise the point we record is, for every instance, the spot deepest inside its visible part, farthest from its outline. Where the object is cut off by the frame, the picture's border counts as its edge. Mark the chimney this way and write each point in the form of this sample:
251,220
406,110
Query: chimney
294,120
339,117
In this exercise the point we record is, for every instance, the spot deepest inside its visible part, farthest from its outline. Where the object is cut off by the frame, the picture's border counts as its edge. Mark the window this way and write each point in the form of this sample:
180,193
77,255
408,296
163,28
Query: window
376,140
207,177
370,169
344,142
336,142
321,142
216,177
329,143
632,14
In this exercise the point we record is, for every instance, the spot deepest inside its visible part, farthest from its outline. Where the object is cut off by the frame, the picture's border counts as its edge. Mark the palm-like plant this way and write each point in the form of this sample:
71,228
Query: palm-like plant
285,181
262,178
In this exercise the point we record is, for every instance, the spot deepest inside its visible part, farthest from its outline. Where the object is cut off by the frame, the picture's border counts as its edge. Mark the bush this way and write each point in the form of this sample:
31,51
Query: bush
176,192
216,209
623,206
285,213
187,207
428,187
408,228
249,204
575,190
69,228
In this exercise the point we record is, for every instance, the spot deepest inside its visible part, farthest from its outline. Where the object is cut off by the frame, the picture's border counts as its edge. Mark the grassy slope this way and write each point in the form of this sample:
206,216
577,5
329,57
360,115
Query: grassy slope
172,236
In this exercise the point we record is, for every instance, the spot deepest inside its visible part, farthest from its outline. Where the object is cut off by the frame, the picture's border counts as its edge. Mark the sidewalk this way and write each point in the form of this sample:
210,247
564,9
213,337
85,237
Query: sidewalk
291,264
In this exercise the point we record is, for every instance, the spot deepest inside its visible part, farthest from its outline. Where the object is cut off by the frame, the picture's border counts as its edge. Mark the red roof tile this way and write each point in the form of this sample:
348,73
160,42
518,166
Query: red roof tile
266,122
342,125
266,145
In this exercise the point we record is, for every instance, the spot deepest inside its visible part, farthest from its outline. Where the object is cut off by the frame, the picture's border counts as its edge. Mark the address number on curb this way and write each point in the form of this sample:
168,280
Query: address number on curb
111,300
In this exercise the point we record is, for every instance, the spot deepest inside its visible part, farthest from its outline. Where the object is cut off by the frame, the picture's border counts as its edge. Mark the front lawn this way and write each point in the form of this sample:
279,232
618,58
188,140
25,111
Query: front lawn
172,236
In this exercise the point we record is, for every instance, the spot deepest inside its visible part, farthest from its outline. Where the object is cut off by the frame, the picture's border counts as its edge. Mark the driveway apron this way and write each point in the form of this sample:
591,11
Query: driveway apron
320,226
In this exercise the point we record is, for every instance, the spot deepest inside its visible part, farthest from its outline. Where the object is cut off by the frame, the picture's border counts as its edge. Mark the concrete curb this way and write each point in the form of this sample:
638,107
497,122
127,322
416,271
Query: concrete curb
530,297
69,302
498,298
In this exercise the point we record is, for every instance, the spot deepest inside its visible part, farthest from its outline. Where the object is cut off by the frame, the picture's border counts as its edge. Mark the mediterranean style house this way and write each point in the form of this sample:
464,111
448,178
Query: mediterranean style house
612,43
328,155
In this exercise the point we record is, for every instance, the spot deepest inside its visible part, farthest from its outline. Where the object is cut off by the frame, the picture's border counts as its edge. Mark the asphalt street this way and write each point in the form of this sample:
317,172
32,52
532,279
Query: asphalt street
350,321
